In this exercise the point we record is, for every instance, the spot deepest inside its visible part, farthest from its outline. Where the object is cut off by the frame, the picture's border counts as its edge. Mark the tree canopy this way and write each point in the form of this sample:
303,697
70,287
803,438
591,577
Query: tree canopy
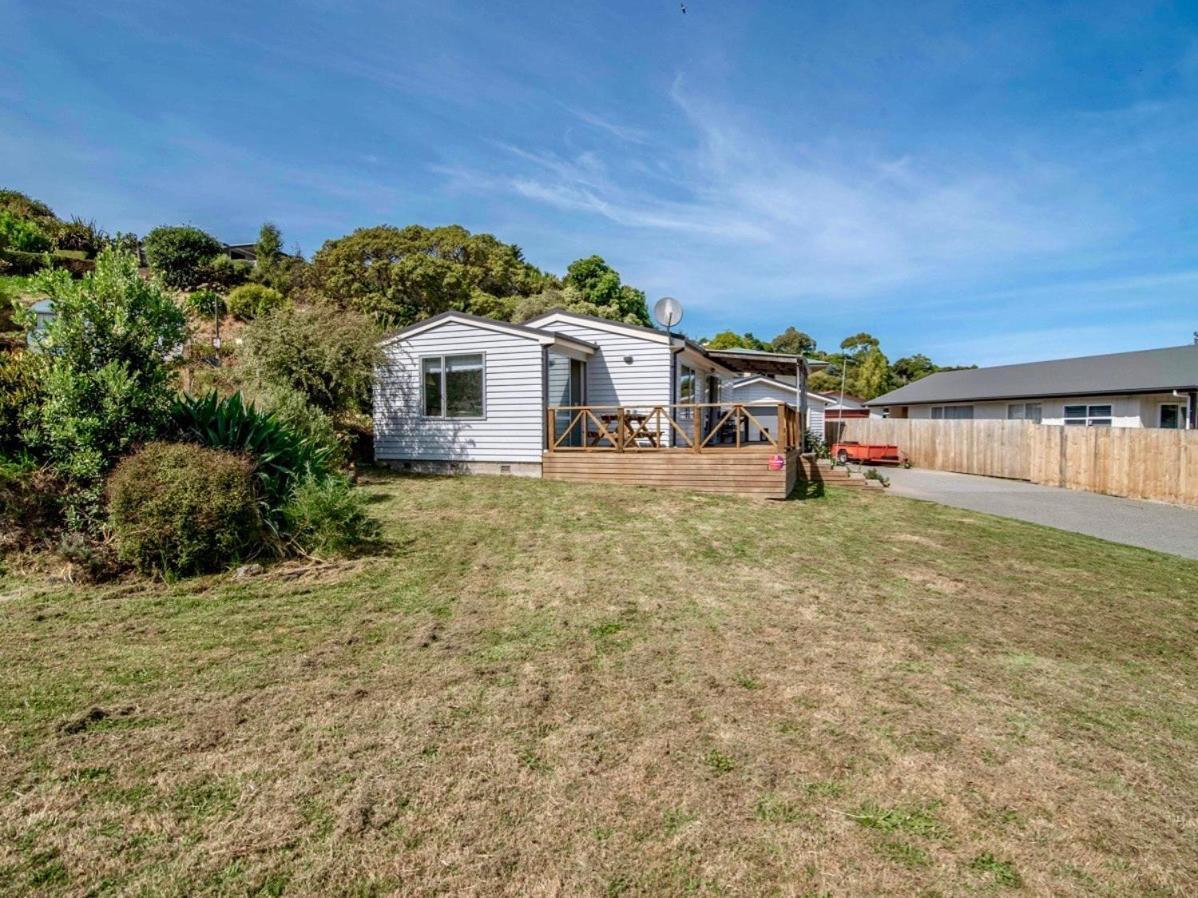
402,275
599,284
182,255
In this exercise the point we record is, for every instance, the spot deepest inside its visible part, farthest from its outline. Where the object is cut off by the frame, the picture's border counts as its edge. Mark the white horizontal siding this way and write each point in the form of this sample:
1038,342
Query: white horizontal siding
778,391
611,380
510,432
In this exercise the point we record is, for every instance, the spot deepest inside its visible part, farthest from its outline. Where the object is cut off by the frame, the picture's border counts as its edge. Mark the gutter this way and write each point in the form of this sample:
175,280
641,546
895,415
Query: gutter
875,403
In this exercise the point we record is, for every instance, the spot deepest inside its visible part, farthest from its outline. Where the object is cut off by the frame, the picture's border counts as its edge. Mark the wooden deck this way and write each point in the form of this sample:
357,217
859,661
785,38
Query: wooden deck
749,470
712,447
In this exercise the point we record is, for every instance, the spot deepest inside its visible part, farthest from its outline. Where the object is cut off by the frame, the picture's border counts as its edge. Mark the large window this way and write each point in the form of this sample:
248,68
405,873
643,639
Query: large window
1088,415
453,386
1025,411
952,412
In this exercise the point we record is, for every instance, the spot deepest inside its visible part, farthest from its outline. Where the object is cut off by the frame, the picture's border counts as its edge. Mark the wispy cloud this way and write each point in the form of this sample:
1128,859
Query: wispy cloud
819,218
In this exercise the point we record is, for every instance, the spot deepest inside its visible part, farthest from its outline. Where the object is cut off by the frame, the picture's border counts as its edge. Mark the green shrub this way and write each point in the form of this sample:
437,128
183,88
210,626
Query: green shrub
183,509
227,273
294,412
252,300
80,236
181,256
280,457
21,395
206,304
328,516
22,235
27,207
324,353
107,383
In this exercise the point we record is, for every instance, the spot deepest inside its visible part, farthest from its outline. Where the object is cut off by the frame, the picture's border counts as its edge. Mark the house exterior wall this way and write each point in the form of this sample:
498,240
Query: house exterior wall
1126,411
512,428
611,380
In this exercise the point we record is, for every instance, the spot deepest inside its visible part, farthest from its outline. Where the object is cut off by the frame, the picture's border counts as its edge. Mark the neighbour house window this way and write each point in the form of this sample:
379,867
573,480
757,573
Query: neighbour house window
1171,416
1025,411
952,412
1088,415
453,386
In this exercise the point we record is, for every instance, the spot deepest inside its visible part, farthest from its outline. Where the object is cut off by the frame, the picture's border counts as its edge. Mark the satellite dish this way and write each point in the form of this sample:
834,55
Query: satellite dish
667,311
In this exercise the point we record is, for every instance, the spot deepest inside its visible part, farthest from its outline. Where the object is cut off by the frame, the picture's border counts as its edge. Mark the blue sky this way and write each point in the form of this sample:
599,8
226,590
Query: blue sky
984,182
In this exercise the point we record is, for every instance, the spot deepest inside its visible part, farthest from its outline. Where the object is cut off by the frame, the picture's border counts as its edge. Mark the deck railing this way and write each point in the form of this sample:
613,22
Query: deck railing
699,427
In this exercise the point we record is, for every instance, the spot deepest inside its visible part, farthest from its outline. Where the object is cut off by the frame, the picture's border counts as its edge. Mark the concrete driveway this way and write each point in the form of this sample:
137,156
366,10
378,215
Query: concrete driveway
1151,525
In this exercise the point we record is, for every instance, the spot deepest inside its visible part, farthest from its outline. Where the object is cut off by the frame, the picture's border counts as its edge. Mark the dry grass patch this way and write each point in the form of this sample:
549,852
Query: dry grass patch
543,689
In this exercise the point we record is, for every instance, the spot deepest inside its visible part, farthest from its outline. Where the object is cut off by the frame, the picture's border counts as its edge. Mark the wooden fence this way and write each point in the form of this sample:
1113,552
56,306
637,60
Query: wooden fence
1140,463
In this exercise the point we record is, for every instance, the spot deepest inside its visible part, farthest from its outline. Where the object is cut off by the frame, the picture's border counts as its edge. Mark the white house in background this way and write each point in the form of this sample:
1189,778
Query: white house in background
1149,388
758,389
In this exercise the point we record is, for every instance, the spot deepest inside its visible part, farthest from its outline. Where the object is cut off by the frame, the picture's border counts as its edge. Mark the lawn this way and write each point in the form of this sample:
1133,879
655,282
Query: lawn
541,689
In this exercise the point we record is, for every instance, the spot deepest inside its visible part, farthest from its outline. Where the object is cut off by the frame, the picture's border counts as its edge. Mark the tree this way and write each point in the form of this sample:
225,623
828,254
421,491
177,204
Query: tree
599,284
733,340
402,275
182,256
793,341
107,384
269,248
872,376
911,368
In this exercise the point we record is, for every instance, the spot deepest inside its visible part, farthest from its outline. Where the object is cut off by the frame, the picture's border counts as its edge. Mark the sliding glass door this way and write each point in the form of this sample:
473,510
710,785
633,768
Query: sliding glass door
566,387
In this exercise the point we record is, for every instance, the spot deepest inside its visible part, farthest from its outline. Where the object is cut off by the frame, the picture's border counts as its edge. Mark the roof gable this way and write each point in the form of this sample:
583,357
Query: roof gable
544,337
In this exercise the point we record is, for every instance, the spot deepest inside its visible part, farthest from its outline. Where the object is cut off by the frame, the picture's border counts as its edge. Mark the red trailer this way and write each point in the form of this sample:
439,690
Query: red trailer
867,454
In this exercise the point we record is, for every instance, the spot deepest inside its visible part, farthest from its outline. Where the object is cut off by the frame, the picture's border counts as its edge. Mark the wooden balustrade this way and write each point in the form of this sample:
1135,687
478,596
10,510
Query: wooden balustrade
697,426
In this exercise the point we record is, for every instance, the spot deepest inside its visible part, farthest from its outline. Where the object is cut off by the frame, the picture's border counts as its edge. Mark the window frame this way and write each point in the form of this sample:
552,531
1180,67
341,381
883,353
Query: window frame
943,417
1089,418
1025,412
1181,415
443,357
683,368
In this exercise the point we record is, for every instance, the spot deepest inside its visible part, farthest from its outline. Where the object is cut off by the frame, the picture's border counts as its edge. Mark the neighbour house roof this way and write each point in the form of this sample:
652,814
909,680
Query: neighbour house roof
769,381
541,335
1145,371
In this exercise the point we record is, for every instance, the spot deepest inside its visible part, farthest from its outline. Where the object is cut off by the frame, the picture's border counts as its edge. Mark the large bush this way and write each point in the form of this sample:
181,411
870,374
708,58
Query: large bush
327,515
252,300
280,457
183,509
182,256
206,304
107,384
327,355
22,235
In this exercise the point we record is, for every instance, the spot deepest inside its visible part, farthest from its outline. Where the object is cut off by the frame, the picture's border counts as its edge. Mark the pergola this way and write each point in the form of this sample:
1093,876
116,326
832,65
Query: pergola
771,364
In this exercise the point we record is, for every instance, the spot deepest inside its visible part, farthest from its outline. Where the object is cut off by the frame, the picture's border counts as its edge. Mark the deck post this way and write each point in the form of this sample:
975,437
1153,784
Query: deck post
698,427
550,427
620,429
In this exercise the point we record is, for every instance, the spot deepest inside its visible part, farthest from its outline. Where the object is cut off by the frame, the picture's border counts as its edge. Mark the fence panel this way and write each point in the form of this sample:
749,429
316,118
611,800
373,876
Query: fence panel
1142,463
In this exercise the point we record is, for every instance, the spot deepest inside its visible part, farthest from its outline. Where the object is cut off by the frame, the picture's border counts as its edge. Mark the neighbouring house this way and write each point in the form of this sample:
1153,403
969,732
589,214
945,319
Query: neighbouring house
841,408
760,389
1148,388
574,397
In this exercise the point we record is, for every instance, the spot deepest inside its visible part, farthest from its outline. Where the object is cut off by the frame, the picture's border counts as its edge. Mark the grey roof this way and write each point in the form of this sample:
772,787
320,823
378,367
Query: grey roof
1145,371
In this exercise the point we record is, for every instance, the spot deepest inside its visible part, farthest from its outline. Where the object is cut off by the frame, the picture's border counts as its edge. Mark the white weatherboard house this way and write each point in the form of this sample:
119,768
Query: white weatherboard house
467,394
1149,388
760,389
